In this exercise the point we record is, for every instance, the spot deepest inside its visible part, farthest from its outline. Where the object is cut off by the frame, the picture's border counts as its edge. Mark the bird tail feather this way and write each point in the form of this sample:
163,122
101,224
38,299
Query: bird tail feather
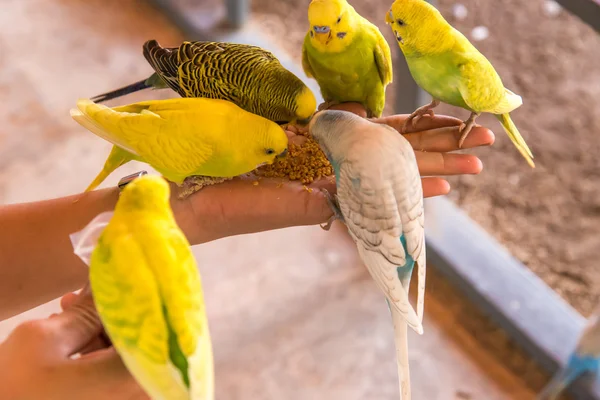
134,87
116,158
516,138
401,343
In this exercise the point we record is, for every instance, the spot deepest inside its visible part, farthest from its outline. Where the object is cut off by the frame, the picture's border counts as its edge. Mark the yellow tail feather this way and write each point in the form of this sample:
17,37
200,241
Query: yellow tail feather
517,139
116,158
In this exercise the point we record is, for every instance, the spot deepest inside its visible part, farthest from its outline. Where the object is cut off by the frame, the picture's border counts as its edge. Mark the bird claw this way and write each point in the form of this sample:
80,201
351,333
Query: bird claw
465,129
327,104
335,207
418,114
194,183
414,118
327,225
417,117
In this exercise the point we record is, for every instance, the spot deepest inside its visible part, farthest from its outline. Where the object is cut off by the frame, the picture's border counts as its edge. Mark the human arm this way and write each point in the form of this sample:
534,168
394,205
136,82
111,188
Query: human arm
37,263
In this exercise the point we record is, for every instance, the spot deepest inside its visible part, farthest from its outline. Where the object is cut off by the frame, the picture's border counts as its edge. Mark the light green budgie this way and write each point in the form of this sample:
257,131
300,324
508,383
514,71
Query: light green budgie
347,55
148,293
446,65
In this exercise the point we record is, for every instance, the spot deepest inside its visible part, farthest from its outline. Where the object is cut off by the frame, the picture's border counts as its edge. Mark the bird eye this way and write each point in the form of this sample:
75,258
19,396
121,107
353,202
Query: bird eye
339,19
269,151
400,22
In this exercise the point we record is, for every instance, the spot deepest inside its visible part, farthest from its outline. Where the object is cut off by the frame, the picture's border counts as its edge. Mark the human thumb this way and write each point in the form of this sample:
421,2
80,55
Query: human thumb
77,325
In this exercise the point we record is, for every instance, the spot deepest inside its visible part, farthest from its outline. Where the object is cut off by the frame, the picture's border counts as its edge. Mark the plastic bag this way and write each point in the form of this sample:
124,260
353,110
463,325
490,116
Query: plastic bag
85,240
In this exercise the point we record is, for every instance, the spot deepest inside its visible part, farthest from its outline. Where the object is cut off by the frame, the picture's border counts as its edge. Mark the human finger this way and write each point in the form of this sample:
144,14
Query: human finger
68,300
397,122
435,187
71,298
105,369
352,107
446,139
76,326
431,164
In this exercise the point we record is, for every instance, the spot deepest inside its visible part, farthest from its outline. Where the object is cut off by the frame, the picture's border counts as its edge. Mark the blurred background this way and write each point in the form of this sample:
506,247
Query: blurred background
293,313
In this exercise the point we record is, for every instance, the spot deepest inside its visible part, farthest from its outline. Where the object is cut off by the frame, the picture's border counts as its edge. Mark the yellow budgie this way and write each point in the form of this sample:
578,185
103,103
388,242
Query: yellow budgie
446,65
347,55
148,293
186,137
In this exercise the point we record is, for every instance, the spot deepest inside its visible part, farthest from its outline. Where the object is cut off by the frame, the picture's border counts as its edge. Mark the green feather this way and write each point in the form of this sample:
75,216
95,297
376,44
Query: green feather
176,354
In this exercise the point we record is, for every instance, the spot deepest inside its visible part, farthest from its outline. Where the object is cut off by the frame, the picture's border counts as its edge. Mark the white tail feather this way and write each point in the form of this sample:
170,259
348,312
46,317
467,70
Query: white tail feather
401,343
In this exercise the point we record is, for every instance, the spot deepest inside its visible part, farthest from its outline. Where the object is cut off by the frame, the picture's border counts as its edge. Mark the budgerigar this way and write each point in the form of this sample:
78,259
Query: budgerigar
249,76
347,55
380,199
446,65
148,293
185,137
585,358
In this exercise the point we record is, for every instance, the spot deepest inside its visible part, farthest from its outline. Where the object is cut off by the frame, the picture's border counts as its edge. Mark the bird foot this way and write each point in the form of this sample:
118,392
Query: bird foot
465,129
327,104
334,204
419,113
192,184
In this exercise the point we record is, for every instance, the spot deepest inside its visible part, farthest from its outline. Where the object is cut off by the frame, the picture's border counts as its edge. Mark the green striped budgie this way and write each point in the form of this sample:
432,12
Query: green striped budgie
380,199
249,76
148,293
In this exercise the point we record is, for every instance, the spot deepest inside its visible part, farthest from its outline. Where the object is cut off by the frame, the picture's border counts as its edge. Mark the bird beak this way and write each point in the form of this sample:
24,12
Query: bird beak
283,154
322,34
389,17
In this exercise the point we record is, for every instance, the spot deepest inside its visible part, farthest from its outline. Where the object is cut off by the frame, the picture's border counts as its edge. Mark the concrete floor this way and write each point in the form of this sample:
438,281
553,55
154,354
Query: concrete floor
302,323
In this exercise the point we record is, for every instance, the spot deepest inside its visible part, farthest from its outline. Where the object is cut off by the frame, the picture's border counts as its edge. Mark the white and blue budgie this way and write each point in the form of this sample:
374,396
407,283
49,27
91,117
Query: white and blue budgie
380,199
585,358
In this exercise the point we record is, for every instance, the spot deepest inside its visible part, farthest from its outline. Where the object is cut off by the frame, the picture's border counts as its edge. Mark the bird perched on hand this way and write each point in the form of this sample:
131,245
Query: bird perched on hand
380,199
585,358
184,139
347,55
446,65
249,76
148,293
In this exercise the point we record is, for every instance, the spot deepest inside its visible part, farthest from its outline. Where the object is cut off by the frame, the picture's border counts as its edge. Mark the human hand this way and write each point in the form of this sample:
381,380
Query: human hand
237,206
36,359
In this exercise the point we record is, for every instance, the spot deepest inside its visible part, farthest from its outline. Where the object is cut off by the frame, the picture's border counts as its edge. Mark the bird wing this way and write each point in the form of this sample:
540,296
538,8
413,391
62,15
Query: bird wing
166,134
205,69
305,60
383,58
128,300
165,62
180,284
378,213
481,87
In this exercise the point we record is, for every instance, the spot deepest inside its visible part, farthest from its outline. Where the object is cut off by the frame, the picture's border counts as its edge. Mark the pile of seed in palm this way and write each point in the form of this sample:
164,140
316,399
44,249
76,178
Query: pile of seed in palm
305,162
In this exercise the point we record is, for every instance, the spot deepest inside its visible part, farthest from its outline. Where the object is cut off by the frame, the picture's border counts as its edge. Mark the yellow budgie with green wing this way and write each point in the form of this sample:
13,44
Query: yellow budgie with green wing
184,139
347,55
148,293
446,65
